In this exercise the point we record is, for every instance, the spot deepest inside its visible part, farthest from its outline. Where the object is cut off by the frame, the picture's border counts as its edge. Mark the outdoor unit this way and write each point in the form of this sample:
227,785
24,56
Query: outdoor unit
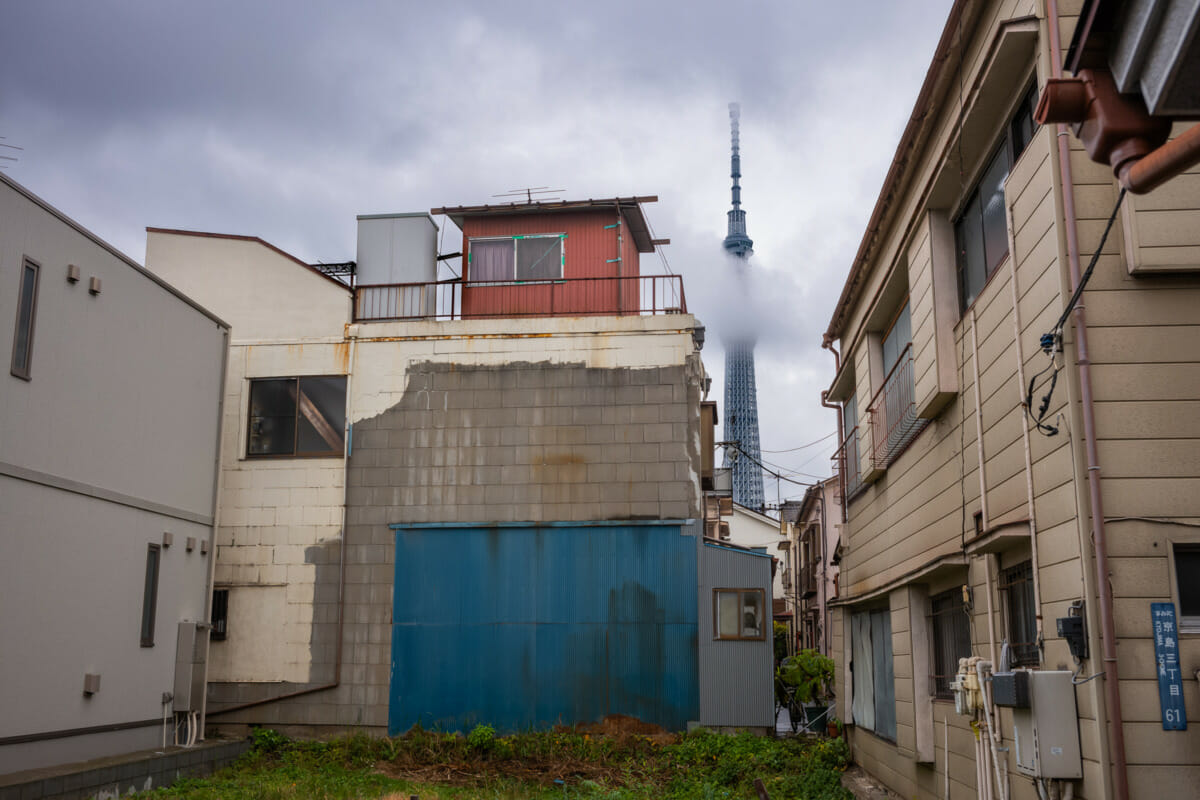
1045,723
191,648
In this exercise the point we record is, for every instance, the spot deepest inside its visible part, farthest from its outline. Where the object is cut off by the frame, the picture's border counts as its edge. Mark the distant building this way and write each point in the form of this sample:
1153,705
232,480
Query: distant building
1044,538
109,423
462,501
811,530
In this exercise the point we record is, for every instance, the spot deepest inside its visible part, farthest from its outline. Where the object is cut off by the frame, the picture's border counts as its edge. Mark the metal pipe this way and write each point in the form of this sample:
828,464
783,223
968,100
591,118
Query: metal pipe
1100,542
212,534
1030,508
985,519
1162,164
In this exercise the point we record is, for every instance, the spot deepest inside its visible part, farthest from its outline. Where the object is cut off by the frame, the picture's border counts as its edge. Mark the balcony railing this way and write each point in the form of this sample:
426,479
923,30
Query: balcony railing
848,466
894,420
808,580
575,297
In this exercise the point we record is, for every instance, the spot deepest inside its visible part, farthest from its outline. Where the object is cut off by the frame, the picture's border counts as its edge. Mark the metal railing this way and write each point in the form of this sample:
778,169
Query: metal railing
894,420
574,297
808,580
848,466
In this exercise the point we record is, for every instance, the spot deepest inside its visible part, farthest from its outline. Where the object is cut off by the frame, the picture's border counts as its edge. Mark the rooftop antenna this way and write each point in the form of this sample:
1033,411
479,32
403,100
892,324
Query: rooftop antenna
8,158
529,192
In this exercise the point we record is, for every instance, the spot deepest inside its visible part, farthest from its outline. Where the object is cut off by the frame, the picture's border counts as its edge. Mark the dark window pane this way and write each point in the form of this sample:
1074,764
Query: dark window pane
1187,573
539,258
968,236
491,260
1023,124
272,417
885,679
951,638
322,421
23,344
1017,583
898,338
752,615
220,614
995,224
150,596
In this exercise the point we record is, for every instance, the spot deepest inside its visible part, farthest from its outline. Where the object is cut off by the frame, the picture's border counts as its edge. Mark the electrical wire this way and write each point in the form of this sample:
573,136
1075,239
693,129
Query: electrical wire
778,476
1052,342
803,446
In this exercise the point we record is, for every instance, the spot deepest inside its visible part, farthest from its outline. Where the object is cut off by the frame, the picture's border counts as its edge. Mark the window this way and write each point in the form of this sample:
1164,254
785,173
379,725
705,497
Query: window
26,315
297,416
873,698
517,258
981,233
738,614
150,594
220,614
894,420
951,638
1020,616
1187,582
850,463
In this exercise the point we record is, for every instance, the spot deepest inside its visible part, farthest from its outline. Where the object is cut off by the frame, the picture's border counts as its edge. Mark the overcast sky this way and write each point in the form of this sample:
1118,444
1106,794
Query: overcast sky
285,120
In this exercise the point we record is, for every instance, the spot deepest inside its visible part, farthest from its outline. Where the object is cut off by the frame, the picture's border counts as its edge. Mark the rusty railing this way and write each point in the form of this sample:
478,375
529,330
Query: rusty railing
848,466
894,420
574,297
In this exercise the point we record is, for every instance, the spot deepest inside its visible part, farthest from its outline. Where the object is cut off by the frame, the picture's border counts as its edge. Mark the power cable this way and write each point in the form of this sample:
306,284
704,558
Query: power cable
803,446
778,476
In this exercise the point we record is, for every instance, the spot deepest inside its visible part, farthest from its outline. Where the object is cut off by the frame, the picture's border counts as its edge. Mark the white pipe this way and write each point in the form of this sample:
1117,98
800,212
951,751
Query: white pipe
1033,547
985,519
946,750
1068,790
1001,784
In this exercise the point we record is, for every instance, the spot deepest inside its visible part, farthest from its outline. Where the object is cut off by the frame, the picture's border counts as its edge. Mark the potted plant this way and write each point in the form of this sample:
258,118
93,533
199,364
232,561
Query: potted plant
811,676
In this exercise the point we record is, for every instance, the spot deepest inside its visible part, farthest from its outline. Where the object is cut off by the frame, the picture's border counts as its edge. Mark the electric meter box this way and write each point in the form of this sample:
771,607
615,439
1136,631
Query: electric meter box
1046,733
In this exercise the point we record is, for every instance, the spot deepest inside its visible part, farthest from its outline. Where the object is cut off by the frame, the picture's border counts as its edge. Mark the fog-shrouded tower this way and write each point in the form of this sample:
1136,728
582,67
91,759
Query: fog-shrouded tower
741,395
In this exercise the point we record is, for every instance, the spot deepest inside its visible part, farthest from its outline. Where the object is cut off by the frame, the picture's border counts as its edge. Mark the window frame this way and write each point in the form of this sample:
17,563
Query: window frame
23,371
940,681
762,627
1021,654
150,593
1186,624
219,619
249,416
1006,146
513,278
879,723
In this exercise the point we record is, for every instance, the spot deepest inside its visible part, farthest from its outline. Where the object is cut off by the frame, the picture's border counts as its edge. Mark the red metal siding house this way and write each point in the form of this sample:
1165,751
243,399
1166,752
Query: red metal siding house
557,259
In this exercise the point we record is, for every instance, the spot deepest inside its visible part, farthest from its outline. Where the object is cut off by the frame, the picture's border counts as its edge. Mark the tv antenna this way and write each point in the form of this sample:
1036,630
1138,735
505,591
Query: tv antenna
8,158
529,192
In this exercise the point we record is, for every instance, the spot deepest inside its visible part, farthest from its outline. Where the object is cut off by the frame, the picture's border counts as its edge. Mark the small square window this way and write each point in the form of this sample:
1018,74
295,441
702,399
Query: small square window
303,416
738,614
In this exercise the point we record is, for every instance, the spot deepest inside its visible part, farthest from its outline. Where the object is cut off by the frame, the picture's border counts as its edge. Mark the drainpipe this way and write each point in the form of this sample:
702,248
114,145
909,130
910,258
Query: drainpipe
212,535
985,518
827,344
1100,542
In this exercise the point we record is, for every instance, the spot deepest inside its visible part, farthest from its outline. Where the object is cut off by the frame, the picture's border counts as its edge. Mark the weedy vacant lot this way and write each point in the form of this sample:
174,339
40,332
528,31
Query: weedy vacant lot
619,760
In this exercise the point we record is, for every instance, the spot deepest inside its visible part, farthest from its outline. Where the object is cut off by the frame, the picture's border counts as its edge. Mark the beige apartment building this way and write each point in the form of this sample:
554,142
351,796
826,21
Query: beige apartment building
978,513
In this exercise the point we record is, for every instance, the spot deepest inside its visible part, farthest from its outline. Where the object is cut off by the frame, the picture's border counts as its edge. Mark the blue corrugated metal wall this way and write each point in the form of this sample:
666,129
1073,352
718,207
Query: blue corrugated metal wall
532,626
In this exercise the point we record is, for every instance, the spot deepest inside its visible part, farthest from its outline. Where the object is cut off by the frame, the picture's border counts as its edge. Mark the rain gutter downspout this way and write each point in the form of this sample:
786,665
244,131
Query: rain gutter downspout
212,534
341,594
1100,543
827,344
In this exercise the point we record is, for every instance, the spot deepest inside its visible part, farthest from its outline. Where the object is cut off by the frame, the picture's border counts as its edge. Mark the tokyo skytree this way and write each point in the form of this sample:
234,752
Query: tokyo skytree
741,395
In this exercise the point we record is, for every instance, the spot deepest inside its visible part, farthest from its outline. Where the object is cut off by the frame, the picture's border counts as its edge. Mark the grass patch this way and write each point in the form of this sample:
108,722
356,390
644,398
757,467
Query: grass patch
576,763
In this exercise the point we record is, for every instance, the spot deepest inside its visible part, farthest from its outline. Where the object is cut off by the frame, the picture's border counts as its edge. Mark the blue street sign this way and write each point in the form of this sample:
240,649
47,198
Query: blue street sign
1170,676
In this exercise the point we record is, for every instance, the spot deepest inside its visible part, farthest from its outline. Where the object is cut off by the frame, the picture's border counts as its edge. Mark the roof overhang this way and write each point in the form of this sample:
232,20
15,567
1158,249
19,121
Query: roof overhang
630,208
